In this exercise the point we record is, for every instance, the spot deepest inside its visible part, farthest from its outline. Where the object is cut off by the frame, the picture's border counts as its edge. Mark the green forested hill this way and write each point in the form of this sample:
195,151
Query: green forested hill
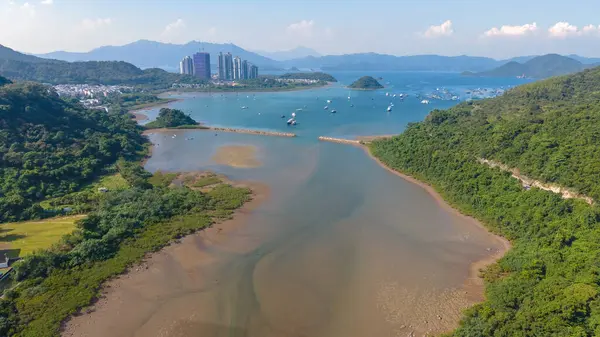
547,285
171,118
366,82
91,72
538,67
50,147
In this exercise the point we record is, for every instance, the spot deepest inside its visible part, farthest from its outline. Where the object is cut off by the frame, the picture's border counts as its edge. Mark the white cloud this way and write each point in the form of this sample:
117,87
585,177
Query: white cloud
47,2
563,29
174,32
91,24
303,28
506,30
173,27
590,29
445,29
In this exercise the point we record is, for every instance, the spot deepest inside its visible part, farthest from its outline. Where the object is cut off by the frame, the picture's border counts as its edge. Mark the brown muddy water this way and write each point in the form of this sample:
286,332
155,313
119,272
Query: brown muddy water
333,245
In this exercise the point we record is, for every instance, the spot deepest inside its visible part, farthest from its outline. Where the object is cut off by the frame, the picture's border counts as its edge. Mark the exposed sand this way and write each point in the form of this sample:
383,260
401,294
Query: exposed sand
157,297
139,117
474,284
240,156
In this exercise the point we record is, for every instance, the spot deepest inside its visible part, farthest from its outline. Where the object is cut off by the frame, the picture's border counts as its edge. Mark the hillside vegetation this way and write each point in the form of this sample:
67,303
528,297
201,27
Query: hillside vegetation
548,284
50,147
120,231
91,72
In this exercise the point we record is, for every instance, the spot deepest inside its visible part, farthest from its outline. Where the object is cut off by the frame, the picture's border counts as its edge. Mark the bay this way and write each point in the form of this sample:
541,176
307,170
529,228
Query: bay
340,247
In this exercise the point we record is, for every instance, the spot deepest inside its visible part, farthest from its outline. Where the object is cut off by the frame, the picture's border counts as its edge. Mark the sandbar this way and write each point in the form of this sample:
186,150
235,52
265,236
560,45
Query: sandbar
239,156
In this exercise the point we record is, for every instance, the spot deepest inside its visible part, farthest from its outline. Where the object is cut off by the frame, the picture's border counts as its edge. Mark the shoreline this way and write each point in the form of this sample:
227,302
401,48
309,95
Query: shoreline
207,236
474,279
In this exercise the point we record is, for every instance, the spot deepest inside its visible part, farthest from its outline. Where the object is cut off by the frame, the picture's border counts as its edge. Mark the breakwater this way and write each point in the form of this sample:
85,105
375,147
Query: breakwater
253,132
340,140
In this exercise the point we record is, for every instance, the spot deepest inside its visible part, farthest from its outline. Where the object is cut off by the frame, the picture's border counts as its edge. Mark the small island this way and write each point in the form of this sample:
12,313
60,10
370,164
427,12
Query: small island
172,118
366,83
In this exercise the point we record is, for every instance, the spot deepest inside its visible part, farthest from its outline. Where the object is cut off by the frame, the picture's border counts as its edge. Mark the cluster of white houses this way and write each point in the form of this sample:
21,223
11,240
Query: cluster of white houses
230,68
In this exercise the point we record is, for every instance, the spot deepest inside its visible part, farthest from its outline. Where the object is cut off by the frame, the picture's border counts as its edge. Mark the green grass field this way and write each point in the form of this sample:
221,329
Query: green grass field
113,182
26,237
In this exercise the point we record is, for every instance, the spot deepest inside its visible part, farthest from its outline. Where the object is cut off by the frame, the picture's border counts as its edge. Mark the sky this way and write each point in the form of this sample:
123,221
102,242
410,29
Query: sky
498,29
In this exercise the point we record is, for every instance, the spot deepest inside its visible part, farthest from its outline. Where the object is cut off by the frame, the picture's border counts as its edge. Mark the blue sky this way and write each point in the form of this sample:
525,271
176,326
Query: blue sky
403,27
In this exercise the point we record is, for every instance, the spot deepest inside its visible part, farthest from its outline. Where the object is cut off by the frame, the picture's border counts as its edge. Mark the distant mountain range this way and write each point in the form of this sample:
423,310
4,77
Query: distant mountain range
374,61
536,67
298,52
152,54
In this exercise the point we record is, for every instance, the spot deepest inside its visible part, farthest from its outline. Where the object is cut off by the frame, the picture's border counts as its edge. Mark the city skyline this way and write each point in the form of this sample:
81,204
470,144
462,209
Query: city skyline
512,28
228,68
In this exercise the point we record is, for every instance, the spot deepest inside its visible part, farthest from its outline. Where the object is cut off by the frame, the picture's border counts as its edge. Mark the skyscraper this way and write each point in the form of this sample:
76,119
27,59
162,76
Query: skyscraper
253,71
222,67
202,65
186,66
228,67
237,68
244,75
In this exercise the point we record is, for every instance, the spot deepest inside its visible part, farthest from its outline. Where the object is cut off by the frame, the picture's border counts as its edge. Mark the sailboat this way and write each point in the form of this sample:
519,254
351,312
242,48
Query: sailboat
389,108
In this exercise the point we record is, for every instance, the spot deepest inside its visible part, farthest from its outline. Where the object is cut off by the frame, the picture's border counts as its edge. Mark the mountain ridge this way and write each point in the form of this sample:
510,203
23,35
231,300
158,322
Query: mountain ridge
538,67
153,54
294,53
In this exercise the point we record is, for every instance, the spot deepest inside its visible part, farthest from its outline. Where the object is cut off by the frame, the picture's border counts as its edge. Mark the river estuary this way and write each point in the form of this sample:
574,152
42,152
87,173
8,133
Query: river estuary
334,245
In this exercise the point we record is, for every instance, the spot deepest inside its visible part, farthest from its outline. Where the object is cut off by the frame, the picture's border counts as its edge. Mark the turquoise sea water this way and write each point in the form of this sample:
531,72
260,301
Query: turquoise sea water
342,247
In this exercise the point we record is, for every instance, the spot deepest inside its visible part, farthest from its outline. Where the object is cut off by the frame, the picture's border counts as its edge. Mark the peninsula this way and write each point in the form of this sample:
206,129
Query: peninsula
366,83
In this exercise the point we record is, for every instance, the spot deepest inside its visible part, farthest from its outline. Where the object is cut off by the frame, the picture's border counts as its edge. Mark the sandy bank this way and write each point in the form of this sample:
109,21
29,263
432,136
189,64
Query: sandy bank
158,296
474,284
139,117
240,156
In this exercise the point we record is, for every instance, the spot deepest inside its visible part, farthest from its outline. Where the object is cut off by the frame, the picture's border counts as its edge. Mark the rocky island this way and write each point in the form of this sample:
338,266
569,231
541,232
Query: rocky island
366,83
